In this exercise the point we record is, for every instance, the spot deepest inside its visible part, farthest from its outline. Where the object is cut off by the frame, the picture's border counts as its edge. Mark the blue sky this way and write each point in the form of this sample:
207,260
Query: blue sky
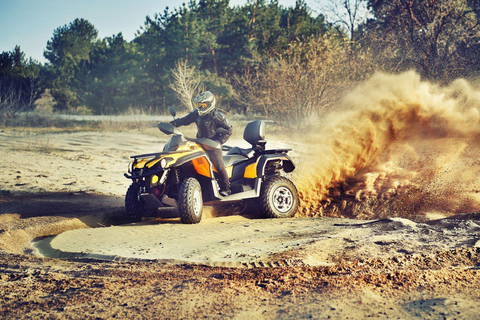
30,23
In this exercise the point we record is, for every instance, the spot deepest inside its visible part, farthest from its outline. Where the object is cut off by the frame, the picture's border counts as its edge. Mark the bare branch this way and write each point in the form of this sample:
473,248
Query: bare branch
186,82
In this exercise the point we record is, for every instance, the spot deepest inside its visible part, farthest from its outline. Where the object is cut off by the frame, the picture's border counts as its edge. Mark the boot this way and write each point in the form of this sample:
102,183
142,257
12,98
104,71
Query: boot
225,192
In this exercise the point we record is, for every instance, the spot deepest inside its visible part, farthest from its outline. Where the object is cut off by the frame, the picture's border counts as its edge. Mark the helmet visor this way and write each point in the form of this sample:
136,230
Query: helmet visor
202,105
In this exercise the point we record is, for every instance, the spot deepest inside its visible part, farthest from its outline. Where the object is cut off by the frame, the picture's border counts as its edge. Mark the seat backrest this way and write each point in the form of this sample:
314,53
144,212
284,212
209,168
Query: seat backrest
254,132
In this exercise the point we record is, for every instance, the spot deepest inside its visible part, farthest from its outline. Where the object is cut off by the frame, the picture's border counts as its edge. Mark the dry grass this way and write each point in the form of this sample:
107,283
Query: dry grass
37,125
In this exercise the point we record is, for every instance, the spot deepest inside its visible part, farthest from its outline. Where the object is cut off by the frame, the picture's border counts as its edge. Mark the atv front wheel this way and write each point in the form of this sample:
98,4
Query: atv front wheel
190,201
133,204
279,198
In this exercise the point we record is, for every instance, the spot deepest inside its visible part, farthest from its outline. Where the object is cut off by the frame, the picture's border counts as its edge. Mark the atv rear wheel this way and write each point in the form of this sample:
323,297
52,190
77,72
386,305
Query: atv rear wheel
133,205
190,201
279,198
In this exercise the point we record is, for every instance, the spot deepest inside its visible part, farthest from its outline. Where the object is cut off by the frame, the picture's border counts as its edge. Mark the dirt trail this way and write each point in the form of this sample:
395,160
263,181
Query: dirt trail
241,242
333,267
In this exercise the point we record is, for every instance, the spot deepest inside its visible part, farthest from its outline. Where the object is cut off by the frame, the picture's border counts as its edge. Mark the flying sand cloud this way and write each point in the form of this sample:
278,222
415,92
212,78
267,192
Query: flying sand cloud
399,146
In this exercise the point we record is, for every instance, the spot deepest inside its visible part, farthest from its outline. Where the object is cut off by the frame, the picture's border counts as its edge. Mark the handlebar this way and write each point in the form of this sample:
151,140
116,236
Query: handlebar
169,129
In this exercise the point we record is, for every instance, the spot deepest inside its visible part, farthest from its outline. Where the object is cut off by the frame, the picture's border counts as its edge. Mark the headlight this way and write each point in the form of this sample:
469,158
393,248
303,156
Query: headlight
163,163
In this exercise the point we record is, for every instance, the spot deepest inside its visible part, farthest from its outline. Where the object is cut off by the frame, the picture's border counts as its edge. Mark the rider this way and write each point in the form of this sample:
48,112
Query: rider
211,124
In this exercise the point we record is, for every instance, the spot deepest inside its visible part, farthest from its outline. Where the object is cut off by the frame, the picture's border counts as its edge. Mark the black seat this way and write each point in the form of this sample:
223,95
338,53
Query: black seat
240,151
254,134
229,160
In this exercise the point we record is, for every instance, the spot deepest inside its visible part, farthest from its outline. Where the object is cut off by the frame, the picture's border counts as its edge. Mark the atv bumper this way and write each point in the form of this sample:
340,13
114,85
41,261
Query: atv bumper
153,202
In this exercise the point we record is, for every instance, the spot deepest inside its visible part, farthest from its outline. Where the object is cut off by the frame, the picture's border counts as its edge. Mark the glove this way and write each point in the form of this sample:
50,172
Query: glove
221,131
174,123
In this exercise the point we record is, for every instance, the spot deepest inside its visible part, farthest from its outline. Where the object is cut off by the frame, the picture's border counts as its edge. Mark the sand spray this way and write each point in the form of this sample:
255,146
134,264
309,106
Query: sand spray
397,147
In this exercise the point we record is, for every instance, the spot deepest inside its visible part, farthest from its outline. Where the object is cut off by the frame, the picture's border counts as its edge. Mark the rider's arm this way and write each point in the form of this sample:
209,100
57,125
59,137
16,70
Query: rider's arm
185,121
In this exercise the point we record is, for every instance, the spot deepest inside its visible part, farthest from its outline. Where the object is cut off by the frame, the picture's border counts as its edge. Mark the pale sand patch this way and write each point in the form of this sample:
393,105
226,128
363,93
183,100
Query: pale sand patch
238,241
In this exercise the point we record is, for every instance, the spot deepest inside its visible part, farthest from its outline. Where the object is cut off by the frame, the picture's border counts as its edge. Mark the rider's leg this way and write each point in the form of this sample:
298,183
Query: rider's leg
216,156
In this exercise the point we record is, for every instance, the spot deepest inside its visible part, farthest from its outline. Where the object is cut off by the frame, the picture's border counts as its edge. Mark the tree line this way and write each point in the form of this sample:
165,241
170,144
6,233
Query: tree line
282,62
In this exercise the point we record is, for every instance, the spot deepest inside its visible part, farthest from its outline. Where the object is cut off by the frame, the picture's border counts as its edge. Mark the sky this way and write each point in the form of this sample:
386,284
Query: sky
31,23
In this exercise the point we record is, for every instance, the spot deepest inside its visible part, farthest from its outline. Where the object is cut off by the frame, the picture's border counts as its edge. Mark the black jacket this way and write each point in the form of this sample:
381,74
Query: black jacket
213,126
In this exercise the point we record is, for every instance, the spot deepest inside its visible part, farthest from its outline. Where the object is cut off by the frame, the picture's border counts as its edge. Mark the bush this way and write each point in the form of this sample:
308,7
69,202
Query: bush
308,80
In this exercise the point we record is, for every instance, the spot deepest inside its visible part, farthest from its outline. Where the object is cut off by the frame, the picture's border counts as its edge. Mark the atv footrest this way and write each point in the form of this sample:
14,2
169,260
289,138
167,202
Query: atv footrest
240,188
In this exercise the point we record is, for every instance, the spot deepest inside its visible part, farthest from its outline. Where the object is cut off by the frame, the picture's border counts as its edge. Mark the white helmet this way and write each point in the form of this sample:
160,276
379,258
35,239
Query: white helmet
205,103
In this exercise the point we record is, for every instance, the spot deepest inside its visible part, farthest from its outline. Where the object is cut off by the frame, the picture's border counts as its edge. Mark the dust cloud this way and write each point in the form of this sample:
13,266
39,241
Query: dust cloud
399,147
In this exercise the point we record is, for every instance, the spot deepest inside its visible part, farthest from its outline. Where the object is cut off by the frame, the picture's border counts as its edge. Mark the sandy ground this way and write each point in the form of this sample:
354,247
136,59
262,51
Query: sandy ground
71,186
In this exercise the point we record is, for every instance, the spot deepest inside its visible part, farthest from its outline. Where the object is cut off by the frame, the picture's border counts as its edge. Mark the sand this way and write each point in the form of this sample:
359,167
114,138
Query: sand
388,223
62,196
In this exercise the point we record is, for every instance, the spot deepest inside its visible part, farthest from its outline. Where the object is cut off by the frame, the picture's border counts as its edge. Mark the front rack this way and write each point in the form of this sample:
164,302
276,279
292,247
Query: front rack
154,154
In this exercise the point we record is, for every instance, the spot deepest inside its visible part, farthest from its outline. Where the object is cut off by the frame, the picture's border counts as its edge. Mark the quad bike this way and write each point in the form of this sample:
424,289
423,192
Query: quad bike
183,177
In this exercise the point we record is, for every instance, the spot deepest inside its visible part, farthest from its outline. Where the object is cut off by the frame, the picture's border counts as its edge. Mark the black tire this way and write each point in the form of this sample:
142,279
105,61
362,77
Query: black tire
133,205
279,198
190,201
